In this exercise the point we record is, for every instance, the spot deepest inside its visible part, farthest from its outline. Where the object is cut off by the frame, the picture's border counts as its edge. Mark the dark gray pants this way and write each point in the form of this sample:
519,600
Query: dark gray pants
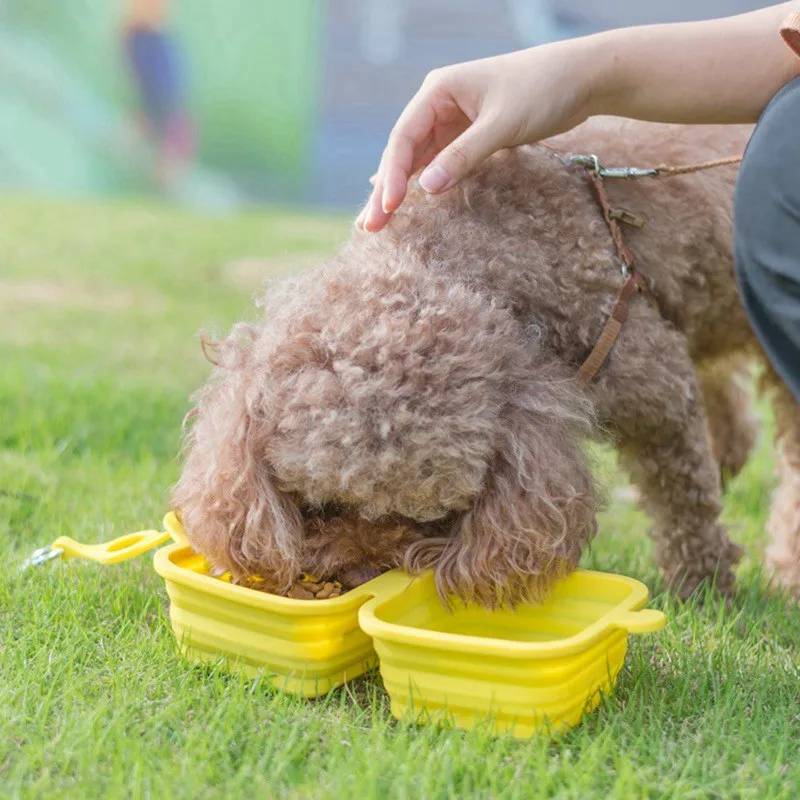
767,233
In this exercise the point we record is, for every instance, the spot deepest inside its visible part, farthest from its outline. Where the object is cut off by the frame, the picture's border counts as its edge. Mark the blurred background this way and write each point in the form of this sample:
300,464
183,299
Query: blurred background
217,104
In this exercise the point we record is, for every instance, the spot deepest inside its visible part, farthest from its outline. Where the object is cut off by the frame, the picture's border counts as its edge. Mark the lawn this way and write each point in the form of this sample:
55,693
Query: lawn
99,311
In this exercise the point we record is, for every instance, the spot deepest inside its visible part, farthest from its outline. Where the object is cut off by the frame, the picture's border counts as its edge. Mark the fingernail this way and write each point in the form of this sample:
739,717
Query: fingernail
385,203
434,179
360,218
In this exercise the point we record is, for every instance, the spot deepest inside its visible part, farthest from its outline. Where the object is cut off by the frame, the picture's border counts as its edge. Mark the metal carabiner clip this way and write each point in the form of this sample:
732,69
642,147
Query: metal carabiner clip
592,163
41,556
626,172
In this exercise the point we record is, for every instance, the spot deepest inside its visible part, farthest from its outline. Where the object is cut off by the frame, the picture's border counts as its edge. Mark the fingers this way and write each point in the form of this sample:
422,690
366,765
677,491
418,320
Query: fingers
460,157
363,214
396,166
421,159
398,170
443,171
374,218
432,120
389,186
407,146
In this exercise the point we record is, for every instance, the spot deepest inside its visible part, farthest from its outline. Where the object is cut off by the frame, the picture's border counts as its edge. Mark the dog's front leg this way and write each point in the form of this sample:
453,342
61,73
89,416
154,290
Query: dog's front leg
731,423
650,395
680,487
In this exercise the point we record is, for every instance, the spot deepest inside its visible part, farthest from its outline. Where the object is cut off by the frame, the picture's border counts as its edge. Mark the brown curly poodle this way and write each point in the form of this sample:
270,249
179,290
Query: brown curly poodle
413,402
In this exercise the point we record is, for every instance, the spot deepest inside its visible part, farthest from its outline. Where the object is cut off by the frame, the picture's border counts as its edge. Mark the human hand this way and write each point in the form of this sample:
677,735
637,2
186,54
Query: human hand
692,73
464,113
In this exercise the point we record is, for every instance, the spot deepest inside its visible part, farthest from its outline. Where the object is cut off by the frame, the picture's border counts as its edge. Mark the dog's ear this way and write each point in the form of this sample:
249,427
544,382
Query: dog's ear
229,504
530,524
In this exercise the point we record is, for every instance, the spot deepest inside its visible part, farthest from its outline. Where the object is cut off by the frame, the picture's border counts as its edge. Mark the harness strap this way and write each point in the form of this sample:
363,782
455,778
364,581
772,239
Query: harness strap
612,220
620,309
635,281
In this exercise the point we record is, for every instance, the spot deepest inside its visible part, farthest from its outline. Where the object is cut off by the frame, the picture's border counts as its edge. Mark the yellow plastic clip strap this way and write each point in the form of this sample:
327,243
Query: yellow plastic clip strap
113,552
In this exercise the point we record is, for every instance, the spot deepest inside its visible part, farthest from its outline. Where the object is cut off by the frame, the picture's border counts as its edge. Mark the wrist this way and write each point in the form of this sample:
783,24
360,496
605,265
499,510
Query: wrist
583,76
599,66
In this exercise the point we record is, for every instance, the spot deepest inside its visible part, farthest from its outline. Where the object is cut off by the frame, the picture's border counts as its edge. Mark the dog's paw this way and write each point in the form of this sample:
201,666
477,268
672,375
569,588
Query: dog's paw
692,559
685,581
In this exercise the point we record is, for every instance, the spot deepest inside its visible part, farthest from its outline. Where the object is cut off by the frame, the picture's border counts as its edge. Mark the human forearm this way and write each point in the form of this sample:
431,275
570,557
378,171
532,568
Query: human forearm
720,71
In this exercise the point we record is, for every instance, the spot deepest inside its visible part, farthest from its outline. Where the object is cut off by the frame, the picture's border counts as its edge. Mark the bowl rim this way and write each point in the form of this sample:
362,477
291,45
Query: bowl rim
164,563
628,615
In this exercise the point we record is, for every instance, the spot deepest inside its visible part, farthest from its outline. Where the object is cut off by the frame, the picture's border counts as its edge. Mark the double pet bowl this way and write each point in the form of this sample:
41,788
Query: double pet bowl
532,669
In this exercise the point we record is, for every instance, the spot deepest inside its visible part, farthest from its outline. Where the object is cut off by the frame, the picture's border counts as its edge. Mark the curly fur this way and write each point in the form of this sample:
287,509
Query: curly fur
413,401
732,426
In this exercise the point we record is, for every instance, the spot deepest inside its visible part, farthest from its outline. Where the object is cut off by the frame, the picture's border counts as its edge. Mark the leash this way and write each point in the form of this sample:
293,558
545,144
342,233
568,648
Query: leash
635,282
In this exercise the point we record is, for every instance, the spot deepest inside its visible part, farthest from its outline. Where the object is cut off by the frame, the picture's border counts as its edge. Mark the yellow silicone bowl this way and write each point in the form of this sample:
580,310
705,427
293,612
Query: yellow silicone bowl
304,646
536,668
523,671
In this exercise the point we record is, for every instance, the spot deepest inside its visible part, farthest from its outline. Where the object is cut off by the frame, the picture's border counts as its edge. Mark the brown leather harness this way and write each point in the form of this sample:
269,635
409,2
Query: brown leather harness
635,282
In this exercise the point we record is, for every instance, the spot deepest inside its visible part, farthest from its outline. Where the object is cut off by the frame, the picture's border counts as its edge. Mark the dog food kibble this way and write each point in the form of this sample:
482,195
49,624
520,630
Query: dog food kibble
326,591
309,589
299,592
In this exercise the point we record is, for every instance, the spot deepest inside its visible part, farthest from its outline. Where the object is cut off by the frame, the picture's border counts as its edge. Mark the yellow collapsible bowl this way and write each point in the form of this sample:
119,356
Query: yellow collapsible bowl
536,668
532,669
304,646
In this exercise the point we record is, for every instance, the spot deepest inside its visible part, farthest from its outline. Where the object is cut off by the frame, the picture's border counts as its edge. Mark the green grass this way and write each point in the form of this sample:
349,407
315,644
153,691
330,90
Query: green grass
99,307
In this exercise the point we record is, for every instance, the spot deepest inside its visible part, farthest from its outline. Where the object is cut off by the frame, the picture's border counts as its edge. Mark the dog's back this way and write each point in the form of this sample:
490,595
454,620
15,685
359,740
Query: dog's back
527,228
685,245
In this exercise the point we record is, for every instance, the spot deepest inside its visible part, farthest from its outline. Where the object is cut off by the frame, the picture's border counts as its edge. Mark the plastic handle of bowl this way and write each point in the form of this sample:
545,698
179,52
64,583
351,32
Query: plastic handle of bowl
113,552
645,621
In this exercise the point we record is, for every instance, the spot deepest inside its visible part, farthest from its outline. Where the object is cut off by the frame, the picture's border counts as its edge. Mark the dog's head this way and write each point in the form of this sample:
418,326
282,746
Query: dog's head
381,416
